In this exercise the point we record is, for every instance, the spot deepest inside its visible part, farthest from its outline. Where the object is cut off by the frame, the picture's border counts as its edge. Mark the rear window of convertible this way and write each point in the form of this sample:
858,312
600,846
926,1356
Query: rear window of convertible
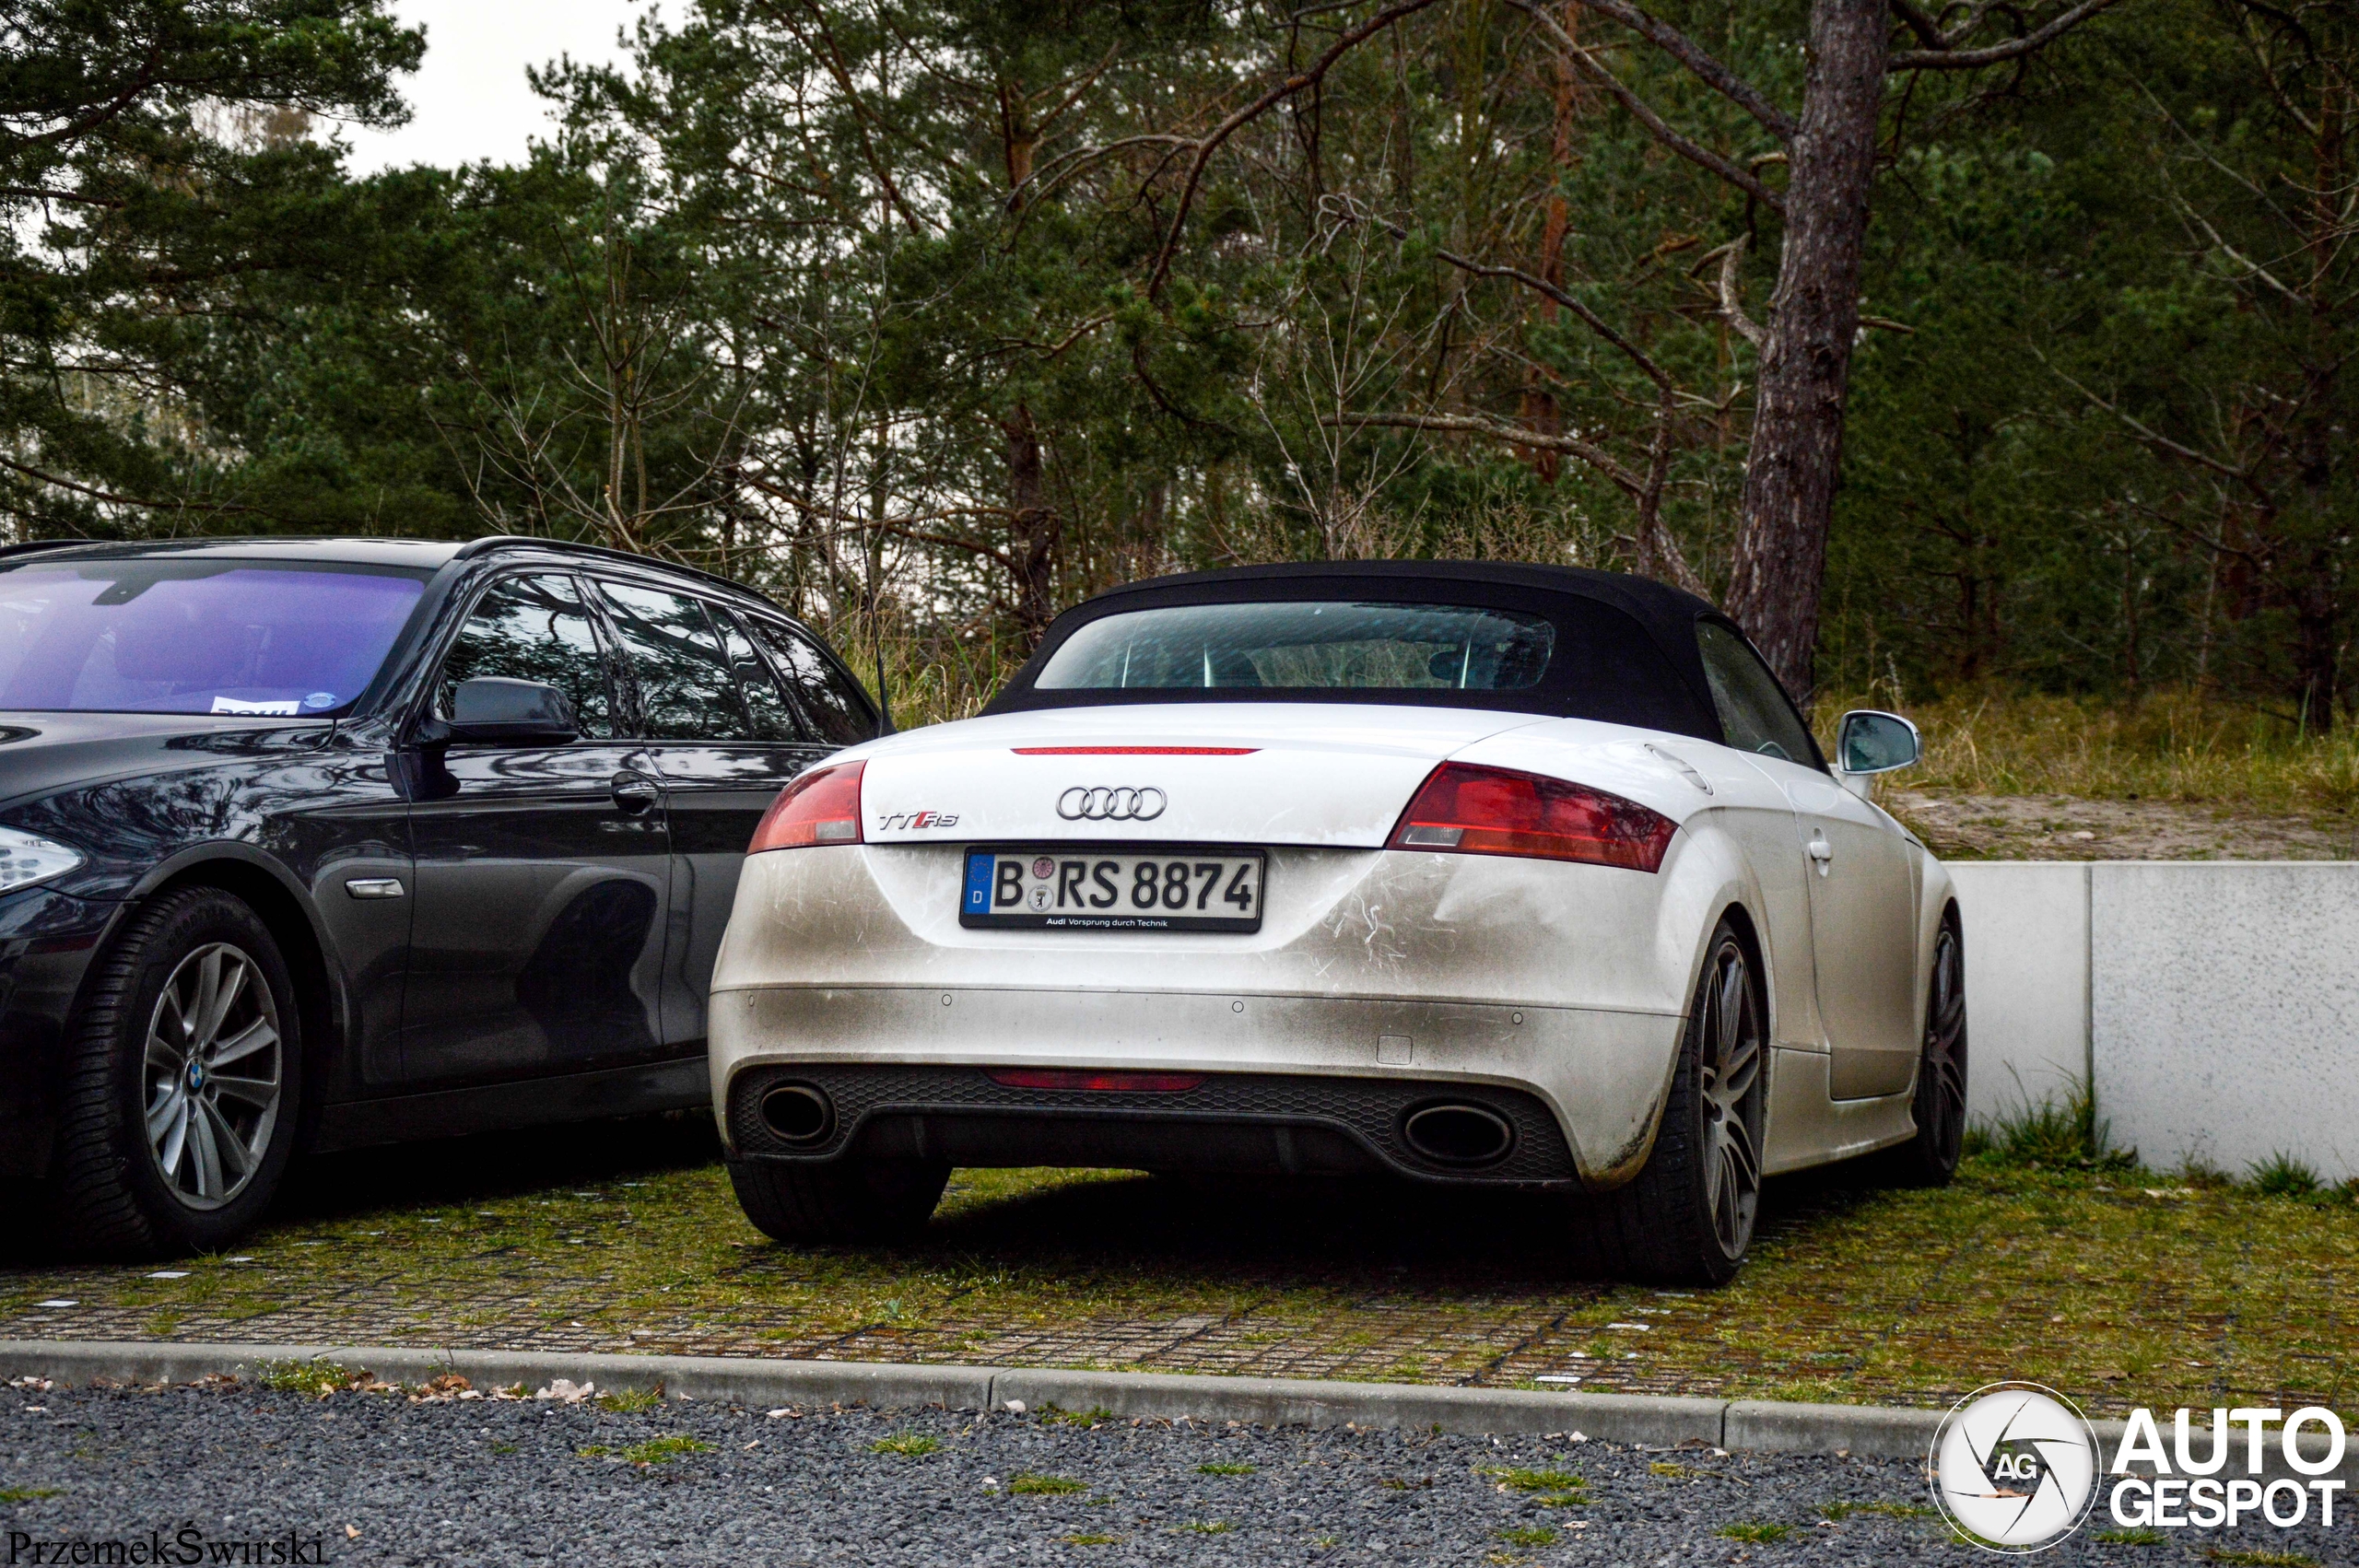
1554,654
1305,647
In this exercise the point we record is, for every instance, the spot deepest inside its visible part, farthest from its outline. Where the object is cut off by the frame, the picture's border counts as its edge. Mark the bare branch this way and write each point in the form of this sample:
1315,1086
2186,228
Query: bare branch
1498,430
1699,63
114,499
1731,308
1311,75
1693,151
1950,59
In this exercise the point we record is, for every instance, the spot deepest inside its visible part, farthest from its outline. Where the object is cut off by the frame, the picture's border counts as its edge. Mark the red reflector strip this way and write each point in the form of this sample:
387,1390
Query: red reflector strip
1083,1078
1134,750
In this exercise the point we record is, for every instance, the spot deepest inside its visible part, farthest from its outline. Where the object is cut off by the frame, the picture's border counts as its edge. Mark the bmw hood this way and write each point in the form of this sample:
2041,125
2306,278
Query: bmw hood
42,753
1306,774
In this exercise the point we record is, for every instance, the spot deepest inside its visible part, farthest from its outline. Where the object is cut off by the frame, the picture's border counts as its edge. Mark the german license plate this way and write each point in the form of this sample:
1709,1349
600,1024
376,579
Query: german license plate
1075,890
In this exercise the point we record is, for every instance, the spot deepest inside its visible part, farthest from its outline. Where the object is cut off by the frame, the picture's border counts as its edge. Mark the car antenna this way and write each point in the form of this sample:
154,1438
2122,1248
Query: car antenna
884,699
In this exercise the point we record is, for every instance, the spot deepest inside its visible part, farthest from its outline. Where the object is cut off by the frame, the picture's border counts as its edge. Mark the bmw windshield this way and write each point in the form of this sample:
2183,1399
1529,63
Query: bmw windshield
211,636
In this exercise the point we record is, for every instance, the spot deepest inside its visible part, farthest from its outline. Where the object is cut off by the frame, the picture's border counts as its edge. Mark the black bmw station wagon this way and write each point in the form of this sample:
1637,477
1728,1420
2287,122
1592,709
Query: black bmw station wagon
307,844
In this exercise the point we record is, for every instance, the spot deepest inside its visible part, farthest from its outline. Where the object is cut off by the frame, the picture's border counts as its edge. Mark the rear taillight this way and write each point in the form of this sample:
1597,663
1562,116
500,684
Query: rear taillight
1466,810
822,807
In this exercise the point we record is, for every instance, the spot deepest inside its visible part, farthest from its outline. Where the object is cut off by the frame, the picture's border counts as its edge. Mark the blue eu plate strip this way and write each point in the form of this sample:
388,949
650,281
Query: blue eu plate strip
978,880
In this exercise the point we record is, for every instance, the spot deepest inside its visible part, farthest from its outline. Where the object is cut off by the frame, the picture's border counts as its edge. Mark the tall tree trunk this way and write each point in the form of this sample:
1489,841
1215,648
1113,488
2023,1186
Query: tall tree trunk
1539,411
1032,528
1796,457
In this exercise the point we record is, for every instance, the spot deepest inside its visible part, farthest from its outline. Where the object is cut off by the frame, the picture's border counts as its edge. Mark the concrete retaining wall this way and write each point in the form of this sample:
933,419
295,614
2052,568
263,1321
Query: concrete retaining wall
2215,1004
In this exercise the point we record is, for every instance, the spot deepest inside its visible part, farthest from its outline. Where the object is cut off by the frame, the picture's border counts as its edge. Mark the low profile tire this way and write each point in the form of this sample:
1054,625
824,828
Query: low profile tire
1931,1158
1688,1217
185,1074
850,1199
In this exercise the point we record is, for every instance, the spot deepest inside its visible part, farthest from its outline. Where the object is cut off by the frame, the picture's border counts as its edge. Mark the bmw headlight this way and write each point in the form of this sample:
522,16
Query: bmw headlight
27,858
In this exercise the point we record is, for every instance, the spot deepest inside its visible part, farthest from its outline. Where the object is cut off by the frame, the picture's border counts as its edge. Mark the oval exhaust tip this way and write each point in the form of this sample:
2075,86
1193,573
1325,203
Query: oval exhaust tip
798,1113
1458,1134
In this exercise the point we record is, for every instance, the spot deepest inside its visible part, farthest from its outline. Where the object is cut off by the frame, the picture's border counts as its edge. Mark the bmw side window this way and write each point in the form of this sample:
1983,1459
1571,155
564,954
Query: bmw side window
840,710
685,689
1755,713
533,628
774,716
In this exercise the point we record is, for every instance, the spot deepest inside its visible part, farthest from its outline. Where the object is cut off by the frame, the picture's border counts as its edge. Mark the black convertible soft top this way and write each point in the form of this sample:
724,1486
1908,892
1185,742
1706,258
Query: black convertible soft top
1625,649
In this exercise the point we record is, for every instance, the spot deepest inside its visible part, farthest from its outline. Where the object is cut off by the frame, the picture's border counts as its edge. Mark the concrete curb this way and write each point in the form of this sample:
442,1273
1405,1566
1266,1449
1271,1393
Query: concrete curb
1269,1401
1882,1432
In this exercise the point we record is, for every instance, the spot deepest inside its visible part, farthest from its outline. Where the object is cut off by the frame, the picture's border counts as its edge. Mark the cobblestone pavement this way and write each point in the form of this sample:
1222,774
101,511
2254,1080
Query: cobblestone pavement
2118,1289
373,1478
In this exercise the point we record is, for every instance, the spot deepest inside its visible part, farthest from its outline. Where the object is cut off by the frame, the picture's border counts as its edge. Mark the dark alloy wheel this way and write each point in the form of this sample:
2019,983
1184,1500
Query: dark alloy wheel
1688,1217
846,1199
179,1106
1930,1159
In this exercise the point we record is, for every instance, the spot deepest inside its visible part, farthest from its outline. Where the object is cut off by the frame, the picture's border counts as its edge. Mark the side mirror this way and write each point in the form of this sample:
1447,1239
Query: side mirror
496,710
1868,743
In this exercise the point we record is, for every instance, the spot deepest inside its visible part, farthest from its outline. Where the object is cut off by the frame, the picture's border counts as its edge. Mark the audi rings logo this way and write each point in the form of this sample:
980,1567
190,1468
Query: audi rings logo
1102,805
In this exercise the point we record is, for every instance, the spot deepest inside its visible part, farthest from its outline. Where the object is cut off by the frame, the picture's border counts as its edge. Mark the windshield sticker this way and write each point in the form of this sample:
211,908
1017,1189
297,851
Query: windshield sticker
231,704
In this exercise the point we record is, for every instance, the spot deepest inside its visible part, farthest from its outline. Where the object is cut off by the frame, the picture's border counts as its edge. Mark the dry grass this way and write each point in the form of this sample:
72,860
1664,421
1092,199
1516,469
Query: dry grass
932,676
2167,745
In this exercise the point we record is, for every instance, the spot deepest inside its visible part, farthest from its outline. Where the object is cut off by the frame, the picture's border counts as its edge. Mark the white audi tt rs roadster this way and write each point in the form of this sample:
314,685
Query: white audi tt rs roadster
1493,875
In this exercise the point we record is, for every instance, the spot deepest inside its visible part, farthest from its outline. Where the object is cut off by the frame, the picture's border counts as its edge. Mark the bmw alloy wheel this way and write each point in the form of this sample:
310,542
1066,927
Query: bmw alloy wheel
215,1072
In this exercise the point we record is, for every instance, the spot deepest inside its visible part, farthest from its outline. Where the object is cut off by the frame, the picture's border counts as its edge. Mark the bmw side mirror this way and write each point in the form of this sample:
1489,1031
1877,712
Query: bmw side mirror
1868,743
493,709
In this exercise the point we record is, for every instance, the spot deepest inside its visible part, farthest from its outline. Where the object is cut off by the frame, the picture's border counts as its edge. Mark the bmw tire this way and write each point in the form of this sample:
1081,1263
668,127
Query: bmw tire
184,1078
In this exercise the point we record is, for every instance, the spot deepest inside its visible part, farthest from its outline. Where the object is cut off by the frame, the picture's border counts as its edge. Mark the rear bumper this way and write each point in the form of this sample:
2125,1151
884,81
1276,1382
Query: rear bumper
1237,1123
1581,1087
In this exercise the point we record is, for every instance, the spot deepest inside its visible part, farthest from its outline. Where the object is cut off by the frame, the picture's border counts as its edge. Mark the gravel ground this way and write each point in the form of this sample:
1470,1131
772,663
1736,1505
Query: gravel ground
378,1477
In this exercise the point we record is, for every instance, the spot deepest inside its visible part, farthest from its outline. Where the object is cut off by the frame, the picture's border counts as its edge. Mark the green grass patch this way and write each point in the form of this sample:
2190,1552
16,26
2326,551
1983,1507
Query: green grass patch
1203,1528
2282,1176
1051,1416
304,1376
1536,1480
655,1451
1225,1469
503,1449
2139,1536
629,1401
1838,1511
1533,1534
2245,1558
29,1494
1757,1534
1091,1540
1029,1485
908,1445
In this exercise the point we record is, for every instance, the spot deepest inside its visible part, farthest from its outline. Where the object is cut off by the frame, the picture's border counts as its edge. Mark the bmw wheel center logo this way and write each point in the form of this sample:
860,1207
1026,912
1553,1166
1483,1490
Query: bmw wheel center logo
2015,1466
1122,804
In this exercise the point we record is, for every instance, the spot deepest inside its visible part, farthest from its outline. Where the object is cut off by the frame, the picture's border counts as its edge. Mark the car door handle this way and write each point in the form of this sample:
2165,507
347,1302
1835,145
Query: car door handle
634,793
1823,852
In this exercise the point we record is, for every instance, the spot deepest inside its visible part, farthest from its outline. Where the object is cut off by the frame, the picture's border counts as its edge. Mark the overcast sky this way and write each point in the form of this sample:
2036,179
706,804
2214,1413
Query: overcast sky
468,101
